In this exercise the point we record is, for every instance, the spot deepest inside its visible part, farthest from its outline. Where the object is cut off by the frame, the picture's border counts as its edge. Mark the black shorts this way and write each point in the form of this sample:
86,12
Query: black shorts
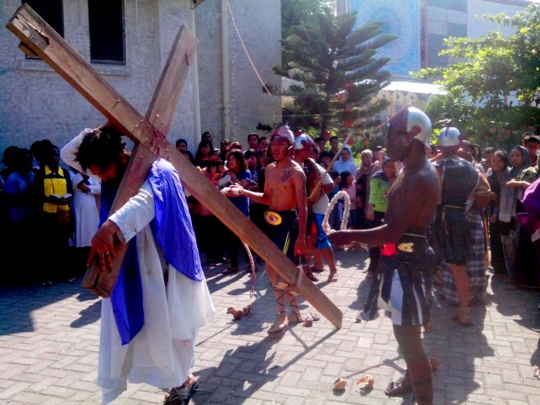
282,229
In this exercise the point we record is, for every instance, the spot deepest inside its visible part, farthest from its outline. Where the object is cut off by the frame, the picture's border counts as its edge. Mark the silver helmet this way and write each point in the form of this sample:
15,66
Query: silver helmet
419,118
449,138
301,139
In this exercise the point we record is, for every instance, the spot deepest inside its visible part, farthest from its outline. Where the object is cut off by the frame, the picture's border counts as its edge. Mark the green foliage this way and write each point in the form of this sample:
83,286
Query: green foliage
337,73
300,12
493,88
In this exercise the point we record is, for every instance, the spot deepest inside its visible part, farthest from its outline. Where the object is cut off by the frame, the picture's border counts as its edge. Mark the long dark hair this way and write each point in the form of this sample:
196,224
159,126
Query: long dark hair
503,154
249,153
344,175
100,147
240,160
203,143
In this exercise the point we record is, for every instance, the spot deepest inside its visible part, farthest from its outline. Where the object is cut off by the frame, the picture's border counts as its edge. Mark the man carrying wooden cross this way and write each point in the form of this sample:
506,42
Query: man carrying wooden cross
160,299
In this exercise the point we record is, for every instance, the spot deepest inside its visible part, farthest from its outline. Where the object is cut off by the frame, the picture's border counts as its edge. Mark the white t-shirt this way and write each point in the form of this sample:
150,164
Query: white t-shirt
321,206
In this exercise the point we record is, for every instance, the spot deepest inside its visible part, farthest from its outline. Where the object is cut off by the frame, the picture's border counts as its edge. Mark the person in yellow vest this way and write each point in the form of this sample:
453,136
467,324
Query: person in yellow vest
54,192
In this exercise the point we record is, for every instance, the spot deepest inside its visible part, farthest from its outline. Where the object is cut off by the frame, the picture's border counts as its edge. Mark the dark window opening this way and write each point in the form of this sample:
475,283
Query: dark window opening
106,19
52,11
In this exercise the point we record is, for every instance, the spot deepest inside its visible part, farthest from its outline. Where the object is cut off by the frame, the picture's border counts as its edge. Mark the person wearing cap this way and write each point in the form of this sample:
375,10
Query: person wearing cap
319,184
405,263
285,194
452,230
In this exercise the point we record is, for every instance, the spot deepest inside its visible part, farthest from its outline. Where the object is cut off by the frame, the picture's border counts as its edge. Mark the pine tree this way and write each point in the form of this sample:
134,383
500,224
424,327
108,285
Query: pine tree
337,73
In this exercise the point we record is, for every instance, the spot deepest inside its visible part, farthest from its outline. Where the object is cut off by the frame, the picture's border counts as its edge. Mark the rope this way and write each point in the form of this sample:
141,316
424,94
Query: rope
245,49
346,211
252,267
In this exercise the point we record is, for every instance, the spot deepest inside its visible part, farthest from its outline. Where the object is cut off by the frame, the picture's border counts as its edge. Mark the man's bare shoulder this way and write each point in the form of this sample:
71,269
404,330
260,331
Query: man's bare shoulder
424,175
422,182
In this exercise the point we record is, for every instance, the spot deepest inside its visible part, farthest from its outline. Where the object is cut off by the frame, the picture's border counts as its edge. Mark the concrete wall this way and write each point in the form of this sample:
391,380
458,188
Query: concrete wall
35,103
260,29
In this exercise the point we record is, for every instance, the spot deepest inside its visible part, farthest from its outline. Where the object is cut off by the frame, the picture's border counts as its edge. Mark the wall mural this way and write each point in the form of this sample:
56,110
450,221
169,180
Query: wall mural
402,18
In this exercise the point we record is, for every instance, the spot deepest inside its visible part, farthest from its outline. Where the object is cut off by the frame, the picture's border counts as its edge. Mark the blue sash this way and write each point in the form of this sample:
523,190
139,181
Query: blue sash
173,232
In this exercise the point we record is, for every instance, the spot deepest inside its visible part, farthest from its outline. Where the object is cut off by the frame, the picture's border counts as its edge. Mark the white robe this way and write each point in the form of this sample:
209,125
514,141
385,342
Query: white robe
86,211
162,353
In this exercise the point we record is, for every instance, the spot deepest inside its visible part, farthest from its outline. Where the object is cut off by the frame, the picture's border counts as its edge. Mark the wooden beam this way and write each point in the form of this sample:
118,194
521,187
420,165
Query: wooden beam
52,48
160,114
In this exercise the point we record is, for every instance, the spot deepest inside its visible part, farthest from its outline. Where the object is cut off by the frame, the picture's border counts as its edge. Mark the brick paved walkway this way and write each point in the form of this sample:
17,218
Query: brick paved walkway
49,343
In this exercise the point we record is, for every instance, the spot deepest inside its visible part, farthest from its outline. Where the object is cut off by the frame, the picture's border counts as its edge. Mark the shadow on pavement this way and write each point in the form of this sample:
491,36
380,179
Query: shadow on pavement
17,303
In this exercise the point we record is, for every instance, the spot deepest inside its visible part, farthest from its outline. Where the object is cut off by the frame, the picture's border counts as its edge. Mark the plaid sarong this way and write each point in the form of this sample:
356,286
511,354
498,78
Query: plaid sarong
476,266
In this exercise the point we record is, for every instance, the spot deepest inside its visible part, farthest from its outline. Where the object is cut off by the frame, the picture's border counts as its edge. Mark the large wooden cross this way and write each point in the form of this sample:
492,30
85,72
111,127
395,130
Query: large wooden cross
148,133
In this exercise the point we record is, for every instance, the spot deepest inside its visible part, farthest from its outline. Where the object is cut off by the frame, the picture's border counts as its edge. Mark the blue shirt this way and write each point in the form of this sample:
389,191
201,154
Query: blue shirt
17,185
242,202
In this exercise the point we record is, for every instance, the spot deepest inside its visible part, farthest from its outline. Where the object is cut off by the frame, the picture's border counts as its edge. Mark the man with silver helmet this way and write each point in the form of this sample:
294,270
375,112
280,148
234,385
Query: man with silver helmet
405,269
452,230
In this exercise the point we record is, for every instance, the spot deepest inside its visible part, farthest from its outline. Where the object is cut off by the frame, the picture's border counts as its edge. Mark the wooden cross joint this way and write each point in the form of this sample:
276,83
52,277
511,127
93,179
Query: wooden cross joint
149,134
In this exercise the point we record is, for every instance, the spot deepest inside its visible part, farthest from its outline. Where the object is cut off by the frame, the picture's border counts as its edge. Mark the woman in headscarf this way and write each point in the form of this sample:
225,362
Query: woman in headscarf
510,194
345,161
363,175
499,165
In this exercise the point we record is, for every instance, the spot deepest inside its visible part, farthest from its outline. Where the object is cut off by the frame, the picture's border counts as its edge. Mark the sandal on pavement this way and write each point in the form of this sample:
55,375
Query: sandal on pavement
295,317
309,274
401,386
332,277
279,325
316,270
314,316
181,395
229,270
463,317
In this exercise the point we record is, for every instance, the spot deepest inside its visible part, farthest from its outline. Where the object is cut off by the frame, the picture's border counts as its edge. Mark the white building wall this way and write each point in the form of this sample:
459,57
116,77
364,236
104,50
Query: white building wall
35,103
260,30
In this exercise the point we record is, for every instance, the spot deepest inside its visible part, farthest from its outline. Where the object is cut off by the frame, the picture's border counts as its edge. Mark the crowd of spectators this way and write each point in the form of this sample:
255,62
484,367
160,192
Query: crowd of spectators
49,212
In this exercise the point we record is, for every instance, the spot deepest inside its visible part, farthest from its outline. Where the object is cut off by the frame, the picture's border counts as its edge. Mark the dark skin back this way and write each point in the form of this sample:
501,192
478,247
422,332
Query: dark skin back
412,202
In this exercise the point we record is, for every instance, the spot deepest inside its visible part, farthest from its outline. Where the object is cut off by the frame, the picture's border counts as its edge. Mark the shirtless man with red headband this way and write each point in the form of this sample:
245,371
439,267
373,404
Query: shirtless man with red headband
405,280
285,194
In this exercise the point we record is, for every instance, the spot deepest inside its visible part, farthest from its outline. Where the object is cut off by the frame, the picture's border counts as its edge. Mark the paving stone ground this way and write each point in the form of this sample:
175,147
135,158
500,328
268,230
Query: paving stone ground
49,348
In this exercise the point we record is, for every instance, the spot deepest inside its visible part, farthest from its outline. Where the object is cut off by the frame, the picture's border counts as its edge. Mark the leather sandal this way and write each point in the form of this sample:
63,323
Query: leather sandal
316,270
181,395
463,317
401,386
278,327
295,317
229,270
309,274
332,277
